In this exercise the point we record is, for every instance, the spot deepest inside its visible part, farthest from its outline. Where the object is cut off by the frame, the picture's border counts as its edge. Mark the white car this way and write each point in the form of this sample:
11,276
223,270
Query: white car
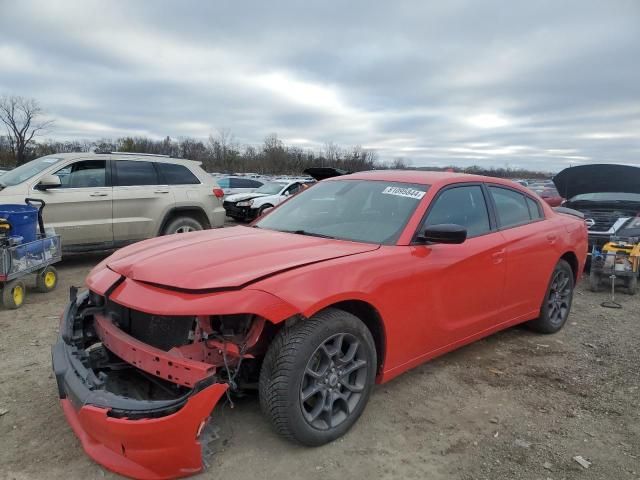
247,206
232,185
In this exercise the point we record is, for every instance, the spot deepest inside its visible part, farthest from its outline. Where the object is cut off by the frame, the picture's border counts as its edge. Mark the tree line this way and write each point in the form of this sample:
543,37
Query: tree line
22,118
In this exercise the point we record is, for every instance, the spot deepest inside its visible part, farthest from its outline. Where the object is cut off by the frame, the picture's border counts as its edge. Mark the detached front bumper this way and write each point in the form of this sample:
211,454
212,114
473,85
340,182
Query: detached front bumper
144,439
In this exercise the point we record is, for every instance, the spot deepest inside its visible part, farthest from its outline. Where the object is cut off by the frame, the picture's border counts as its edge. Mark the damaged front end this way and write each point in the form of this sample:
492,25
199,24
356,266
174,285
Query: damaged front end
138,388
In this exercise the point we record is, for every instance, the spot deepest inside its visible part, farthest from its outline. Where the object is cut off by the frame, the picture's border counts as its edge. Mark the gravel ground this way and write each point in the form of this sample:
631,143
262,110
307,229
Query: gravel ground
516,405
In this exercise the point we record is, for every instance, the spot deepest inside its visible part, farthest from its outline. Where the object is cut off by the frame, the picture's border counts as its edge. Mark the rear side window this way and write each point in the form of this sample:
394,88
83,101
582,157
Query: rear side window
534,209
131,173
84,174
463,206
223,182
511,207
172,174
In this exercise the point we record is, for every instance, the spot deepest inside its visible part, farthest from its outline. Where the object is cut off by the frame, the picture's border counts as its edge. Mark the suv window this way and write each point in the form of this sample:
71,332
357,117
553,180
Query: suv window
84,174
173,174
534,209
463,206
511,207
130,173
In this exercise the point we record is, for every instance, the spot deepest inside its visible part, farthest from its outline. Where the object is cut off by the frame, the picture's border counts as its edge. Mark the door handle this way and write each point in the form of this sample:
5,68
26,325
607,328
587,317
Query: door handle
98,194
161,191
498,256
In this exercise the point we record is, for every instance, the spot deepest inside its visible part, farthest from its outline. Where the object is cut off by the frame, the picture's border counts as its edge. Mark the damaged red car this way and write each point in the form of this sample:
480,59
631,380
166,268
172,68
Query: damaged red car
350,283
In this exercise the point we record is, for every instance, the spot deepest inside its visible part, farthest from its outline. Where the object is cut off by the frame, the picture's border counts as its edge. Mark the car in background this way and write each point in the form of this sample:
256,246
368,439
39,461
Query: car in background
350,283
103,201
548,193
248,206
609,197
232,185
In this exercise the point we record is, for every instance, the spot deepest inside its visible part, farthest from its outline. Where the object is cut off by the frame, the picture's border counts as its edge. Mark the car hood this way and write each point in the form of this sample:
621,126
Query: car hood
224,258
597,178
239,197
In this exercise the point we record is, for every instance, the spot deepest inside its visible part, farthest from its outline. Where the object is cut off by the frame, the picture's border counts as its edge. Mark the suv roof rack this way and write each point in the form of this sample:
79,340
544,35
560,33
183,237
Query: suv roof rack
140,154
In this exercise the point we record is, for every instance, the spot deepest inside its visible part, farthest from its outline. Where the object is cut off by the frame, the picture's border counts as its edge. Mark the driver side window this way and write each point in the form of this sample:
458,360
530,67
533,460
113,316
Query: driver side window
83,174
463,206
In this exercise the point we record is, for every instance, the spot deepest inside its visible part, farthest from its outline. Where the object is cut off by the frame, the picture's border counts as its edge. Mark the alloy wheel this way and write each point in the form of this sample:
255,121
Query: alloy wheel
333,381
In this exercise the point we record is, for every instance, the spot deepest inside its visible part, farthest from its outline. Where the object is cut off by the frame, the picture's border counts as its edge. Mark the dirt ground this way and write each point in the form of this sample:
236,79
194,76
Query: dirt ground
516,405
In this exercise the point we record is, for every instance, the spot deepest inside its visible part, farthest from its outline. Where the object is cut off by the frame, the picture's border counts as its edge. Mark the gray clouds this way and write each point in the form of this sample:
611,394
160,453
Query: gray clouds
531,84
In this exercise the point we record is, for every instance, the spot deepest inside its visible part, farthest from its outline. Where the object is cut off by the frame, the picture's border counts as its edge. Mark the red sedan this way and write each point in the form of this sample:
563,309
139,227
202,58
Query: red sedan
347,284
549,194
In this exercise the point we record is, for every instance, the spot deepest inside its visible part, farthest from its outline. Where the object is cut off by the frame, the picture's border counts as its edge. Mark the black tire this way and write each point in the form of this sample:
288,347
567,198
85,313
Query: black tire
182,225
298,361
632,285
594,280
556,305
13,294
47,279
262,209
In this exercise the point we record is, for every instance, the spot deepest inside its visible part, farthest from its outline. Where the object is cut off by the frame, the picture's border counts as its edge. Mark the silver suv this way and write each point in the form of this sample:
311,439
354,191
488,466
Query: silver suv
99,201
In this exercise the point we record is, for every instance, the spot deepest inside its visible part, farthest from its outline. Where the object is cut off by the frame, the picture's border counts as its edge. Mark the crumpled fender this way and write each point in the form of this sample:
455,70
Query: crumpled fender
149,449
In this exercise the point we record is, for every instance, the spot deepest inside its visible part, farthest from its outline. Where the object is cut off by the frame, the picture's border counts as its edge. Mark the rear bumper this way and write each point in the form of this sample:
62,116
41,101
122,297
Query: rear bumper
144,439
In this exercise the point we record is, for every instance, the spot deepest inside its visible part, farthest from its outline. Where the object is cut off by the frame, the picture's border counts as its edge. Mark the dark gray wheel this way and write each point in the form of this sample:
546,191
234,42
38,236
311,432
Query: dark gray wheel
182,225
317,377
557,302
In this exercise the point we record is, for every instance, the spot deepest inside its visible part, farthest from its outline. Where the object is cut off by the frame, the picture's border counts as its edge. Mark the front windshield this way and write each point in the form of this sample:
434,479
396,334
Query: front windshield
601,197
270,188
358,210
26,171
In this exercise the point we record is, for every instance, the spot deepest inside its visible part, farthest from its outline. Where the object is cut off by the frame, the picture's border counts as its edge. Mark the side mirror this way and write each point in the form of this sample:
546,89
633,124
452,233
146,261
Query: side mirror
287,193
47,182
444,233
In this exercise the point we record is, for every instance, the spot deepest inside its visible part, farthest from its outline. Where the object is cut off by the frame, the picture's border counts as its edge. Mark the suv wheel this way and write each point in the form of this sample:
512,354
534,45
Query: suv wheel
182,225
317,377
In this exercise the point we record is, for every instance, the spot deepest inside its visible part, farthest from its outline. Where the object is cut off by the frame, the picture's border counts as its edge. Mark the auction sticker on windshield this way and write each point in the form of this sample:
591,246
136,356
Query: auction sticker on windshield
404,192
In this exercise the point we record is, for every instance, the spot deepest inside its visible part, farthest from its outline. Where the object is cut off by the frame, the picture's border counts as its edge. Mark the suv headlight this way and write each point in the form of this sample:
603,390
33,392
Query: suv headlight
248,203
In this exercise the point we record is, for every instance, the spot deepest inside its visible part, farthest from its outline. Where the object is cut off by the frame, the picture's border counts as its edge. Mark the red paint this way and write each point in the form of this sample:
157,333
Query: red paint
150,449
430,298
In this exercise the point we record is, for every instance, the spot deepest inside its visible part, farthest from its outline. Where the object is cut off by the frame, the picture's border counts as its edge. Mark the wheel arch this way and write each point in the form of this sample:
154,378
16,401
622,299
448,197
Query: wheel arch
572,259
372,319
189,210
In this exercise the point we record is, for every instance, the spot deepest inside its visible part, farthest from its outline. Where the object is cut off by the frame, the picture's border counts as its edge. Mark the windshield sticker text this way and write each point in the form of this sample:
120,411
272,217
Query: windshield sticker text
404,192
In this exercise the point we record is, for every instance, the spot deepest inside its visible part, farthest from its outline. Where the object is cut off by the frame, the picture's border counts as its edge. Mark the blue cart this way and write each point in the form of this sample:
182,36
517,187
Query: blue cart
26,251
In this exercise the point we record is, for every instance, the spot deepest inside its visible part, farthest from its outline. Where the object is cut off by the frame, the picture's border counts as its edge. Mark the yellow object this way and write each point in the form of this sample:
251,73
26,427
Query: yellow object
18,295
50,279
622,252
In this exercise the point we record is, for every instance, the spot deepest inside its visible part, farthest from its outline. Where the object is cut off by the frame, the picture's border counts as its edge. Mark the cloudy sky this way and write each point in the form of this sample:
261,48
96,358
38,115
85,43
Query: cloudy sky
527,84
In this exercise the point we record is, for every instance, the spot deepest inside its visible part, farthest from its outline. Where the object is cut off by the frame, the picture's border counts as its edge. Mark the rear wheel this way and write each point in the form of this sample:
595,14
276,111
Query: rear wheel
46,279
13,294
317,377
182,225
557,302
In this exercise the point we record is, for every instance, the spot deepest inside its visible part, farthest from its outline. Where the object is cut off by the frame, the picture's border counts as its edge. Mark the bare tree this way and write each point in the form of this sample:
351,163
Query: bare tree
21,117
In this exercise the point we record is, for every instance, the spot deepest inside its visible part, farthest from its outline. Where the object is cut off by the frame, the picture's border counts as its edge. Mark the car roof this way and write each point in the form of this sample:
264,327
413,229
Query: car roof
122,156
425,177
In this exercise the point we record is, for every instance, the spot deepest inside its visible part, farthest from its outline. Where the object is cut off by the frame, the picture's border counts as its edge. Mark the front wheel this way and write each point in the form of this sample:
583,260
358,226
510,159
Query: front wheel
317,377
13,294
557,301
47,279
